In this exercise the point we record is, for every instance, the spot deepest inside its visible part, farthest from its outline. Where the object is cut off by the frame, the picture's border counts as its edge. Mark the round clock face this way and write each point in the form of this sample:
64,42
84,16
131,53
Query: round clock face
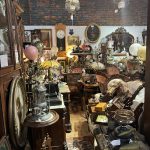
60,34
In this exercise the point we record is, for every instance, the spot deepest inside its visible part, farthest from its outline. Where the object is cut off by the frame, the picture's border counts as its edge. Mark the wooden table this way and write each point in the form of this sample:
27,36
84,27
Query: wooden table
58,129
65,91
51,136
89,89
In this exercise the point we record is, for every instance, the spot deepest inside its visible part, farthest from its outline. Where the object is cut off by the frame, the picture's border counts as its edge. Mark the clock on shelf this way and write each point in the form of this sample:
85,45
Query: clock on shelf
61,36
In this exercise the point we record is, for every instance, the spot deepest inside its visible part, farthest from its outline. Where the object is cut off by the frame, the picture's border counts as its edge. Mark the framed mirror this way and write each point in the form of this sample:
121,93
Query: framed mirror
122,39
92,33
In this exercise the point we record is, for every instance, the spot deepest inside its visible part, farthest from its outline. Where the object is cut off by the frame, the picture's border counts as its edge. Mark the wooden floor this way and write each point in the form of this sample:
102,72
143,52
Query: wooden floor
79,131
79,126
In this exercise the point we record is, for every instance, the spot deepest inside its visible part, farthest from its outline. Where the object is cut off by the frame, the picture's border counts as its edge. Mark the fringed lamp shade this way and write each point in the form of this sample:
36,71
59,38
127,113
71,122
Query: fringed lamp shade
50,64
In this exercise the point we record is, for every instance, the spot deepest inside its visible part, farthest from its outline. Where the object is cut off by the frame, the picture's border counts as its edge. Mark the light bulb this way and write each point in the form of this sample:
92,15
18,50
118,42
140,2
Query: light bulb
72,17
116,11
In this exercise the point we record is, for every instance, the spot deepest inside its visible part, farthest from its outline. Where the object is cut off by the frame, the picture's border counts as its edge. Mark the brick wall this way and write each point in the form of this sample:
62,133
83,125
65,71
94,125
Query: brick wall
50,12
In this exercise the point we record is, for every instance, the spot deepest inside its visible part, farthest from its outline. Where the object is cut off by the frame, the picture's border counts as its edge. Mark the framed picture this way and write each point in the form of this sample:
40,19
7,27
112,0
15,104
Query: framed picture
46,38
27,36
62,63
73,40
4,144
92,33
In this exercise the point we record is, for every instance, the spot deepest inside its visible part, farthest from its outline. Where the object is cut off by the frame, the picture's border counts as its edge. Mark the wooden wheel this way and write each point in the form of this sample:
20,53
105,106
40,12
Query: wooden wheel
17,110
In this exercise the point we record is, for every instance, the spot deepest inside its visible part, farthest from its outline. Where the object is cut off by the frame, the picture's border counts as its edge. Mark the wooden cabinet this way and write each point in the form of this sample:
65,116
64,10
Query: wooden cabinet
61,36
10,59
55,131
65,91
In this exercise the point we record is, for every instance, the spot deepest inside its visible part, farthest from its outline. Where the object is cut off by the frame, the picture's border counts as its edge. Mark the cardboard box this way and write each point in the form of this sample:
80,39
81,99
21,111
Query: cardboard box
101,106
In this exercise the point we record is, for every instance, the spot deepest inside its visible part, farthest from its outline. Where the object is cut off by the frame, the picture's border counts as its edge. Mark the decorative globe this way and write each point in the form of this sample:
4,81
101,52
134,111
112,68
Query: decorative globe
142,53
31,52
133,49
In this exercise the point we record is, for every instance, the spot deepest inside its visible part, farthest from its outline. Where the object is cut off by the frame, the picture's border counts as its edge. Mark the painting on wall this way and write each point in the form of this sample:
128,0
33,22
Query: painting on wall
27,36
46,38
73,40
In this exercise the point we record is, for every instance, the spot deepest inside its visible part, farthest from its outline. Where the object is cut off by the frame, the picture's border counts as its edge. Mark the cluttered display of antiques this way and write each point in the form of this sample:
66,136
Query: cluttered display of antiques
38,88
113,86
108,83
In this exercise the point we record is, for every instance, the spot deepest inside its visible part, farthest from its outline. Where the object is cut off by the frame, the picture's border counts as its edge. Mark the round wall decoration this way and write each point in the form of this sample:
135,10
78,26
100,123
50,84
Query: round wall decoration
92,33
17,110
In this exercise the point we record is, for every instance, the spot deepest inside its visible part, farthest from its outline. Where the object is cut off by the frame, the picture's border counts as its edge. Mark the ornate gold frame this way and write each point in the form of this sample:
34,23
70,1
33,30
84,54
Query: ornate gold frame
93,33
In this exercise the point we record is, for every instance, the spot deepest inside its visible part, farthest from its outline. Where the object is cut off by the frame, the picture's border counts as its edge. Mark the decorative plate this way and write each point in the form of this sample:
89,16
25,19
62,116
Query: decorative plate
17,110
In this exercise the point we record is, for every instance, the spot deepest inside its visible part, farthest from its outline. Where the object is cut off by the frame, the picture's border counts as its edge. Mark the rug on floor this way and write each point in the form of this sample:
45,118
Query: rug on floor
80,143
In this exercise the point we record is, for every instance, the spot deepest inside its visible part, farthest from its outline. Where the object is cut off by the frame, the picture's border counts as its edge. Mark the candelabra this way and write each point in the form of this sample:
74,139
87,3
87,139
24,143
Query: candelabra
39,114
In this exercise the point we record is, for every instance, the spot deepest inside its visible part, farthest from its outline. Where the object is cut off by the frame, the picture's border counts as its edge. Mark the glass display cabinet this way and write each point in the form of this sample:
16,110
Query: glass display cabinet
10,64
5,52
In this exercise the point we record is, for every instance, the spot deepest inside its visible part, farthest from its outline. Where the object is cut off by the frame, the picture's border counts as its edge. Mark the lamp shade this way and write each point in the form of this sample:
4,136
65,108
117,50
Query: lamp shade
50,64
31,52
142,53
133,49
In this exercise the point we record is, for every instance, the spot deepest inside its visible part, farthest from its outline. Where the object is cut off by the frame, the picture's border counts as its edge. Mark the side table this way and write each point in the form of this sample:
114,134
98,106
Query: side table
88,89
50,136
65,91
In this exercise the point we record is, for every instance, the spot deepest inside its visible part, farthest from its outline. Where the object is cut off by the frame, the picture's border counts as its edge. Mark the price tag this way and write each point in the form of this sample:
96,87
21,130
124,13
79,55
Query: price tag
3,60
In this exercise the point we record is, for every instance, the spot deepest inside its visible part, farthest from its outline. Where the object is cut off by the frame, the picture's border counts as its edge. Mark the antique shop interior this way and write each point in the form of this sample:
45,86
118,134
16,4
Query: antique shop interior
74,75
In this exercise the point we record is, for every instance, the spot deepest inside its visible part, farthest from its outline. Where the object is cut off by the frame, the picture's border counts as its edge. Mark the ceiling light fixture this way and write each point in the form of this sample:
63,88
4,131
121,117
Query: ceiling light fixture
120,4
72,6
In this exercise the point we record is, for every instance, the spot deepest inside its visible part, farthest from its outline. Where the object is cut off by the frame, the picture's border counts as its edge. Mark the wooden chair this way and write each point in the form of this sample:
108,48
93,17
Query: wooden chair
75,87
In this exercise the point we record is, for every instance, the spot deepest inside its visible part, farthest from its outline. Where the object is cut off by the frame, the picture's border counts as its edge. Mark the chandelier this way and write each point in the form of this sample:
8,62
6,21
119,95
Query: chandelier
72,6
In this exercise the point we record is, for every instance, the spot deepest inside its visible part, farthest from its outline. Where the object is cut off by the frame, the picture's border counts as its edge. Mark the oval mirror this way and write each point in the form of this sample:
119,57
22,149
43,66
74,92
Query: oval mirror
92,33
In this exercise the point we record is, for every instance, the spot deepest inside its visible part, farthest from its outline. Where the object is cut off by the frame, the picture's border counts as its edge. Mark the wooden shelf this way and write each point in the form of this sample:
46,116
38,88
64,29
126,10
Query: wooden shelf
81,54
119,54
18,8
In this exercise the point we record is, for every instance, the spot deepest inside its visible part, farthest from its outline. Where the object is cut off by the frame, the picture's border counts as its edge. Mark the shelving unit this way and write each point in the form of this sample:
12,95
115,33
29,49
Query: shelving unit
81,57
81,54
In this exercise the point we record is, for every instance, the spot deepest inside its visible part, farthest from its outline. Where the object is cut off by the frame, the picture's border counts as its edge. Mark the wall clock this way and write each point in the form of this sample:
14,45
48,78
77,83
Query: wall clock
92,33
61,36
